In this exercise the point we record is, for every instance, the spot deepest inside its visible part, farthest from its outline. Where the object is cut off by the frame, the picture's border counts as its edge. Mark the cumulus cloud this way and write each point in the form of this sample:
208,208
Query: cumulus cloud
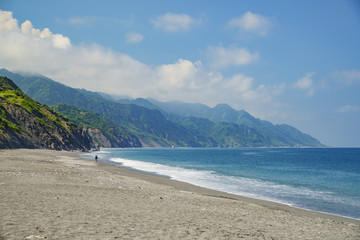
134,37
97,68
58,40
251,22
306,83
347,77
177,75
220,57
7,22
186,75
172,22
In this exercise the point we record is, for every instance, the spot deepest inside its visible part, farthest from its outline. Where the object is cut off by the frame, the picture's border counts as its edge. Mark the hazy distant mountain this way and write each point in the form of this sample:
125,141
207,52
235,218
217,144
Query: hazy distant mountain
157,123
220,113
25,123
272,135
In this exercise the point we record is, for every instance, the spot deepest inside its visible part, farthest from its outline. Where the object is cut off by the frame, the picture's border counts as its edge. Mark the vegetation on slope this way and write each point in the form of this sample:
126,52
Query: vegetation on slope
26,123
166,124
103,131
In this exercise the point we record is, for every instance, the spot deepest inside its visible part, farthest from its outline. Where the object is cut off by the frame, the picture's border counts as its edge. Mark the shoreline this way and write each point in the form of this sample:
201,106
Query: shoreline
58,195
185,186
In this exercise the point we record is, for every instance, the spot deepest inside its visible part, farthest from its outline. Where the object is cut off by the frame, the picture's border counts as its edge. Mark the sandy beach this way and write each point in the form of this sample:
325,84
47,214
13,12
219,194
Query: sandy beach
57,195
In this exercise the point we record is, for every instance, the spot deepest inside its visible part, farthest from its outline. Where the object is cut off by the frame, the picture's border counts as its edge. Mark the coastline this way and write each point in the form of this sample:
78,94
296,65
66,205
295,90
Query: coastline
309,198
59,195
184,186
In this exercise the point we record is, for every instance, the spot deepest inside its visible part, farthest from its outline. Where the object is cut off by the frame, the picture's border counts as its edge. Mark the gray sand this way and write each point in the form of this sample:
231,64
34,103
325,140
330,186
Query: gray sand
56,195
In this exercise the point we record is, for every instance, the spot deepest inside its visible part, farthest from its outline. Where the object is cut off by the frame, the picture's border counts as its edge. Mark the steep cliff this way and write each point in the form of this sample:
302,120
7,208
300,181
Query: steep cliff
25,123
104,133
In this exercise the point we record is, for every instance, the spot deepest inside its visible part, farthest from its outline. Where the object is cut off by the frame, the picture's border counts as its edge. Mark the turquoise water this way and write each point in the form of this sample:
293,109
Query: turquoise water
324,179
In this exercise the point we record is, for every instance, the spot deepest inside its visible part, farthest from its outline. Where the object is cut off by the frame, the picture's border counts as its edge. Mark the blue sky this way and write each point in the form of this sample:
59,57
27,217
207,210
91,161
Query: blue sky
294,62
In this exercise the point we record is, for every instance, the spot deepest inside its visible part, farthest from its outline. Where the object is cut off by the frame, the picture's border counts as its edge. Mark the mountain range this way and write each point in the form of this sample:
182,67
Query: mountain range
116,122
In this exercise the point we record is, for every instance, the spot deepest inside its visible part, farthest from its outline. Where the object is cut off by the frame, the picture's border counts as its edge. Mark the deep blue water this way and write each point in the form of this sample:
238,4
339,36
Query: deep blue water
320,179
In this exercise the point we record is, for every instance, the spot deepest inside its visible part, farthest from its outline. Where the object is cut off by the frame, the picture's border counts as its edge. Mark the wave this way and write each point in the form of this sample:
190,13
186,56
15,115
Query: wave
290,195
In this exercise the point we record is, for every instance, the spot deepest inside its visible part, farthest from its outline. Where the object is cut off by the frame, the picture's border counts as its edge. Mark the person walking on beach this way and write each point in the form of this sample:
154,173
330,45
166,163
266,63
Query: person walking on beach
96,157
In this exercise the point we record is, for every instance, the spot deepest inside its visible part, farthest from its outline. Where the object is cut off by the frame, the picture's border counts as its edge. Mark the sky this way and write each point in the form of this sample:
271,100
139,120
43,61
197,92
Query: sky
292,62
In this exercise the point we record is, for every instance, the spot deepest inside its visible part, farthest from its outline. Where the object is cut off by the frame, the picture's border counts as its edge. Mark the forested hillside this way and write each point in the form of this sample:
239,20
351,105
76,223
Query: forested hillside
157,124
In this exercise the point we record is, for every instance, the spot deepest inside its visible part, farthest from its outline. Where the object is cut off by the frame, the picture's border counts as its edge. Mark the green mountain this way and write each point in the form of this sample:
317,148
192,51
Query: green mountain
25,123
228,134
267,133
148,125
183,109
104,133
156,123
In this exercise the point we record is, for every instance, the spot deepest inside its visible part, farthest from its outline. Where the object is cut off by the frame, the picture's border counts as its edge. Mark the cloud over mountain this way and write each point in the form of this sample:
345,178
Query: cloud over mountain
98,68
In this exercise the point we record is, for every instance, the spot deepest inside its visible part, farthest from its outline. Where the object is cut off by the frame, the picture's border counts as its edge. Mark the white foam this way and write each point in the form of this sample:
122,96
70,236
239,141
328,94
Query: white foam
208,179
236,185
176,173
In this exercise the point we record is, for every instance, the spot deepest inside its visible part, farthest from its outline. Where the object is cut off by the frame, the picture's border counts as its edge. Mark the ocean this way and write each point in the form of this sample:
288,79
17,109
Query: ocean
319,179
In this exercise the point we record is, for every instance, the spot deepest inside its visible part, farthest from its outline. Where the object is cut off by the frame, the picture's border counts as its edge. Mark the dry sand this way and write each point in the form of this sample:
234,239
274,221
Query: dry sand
56,195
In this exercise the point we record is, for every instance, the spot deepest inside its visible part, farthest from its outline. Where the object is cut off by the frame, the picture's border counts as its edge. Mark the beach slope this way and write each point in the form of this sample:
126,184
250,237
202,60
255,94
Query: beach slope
56,195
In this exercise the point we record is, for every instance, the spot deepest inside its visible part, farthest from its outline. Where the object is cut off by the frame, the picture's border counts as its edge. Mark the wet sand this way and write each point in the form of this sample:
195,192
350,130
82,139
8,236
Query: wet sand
56,195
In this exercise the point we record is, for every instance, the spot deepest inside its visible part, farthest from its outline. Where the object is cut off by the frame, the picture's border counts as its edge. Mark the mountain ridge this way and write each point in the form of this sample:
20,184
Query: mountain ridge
25,123
161,124
226,114
149,125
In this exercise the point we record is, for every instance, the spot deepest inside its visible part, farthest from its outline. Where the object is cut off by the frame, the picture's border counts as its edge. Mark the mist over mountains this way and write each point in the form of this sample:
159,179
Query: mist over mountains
115,122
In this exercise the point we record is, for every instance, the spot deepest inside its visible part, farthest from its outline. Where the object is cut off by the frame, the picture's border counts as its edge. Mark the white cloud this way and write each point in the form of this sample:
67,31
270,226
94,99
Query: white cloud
347,77
134,37
186,75
28,29
58,40
46,33
348,108
220,57
97,68
239,83
172,22
7,22
306,83
176,75
251,22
